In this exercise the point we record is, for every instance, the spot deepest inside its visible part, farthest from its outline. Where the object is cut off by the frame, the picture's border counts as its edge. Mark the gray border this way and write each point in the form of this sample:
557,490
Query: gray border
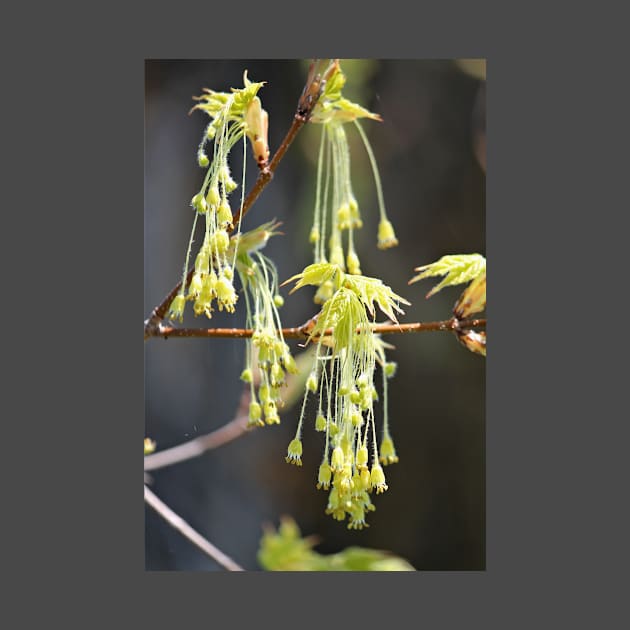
551,508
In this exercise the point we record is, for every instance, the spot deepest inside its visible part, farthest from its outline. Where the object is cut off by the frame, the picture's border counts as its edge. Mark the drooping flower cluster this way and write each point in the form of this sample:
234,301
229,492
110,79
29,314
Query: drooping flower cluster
266,351
235,116
342,379
335,202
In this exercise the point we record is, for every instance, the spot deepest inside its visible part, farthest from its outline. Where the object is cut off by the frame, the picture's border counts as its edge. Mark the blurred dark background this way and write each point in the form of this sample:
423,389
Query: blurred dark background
430,148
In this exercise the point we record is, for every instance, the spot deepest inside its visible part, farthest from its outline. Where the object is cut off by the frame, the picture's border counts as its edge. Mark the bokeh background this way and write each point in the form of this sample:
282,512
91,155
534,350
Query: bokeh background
430,149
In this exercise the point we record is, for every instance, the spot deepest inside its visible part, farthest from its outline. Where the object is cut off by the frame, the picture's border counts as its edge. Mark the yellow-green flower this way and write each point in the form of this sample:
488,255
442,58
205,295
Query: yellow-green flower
228,113
324,476
386,236
377,479
294,452
176,310
387,451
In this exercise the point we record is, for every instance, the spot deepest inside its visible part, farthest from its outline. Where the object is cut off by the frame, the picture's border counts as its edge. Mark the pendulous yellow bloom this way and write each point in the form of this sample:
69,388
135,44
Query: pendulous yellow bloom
386,236
377,479
387,451
176,310
294,452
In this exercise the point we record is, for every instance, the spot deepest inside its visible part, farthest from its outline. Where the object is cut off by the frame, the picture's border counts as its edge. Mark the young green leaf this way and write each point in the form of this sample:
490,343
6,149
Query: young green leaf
458,269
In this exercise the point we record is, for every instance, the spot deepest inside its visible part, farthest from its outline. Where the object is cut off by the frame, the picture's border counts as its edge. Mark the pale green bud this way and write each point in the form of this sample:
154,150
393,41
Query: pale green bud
213,197
343,216
289,363
202,159
352,261
224,213
336,255
311,382
356,418
229,184
320,423
199,203
390,369
220,241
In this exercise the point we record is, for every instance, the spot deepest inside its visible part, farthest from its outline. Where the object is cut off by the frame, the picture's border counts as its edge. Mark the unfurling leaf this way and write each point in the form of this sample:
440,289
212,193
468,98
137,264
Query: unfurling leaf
458,269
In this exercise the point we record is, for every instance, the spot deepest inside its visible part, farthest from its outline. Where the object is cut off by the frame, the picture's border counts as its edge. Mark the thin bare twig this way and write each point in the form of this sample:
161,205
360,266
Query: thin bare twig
303,113
178,523
301,332
194,448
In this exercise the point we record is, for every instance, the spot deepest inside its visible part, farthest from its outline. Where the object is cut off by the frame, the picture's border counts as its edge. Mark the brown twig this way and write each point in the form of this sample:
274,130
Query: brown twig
194,448
301,332
178,523
303,113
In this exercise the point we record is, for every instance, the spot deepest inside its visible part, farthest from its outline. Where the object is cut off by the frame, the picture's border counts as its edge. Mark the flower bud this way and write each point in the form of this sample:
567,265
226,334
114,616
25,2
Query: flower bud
220,241
289,363
352,261
224,213
213,196
311,382
199,203
229,185
343,216
390,369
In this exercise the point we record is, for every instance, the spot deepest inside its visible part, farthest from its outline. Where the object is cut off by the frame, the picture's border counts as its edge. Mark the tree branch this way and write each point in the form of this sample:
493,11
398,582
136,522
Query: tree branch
305,107
194,448
302,332
178,523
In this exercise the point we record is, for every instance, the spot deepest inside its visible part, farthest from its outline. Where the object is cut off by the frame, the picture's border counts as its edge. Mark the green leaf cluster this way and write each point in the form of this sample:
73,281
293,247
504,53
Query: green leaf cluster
332,106
214,103
458,269
286,550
